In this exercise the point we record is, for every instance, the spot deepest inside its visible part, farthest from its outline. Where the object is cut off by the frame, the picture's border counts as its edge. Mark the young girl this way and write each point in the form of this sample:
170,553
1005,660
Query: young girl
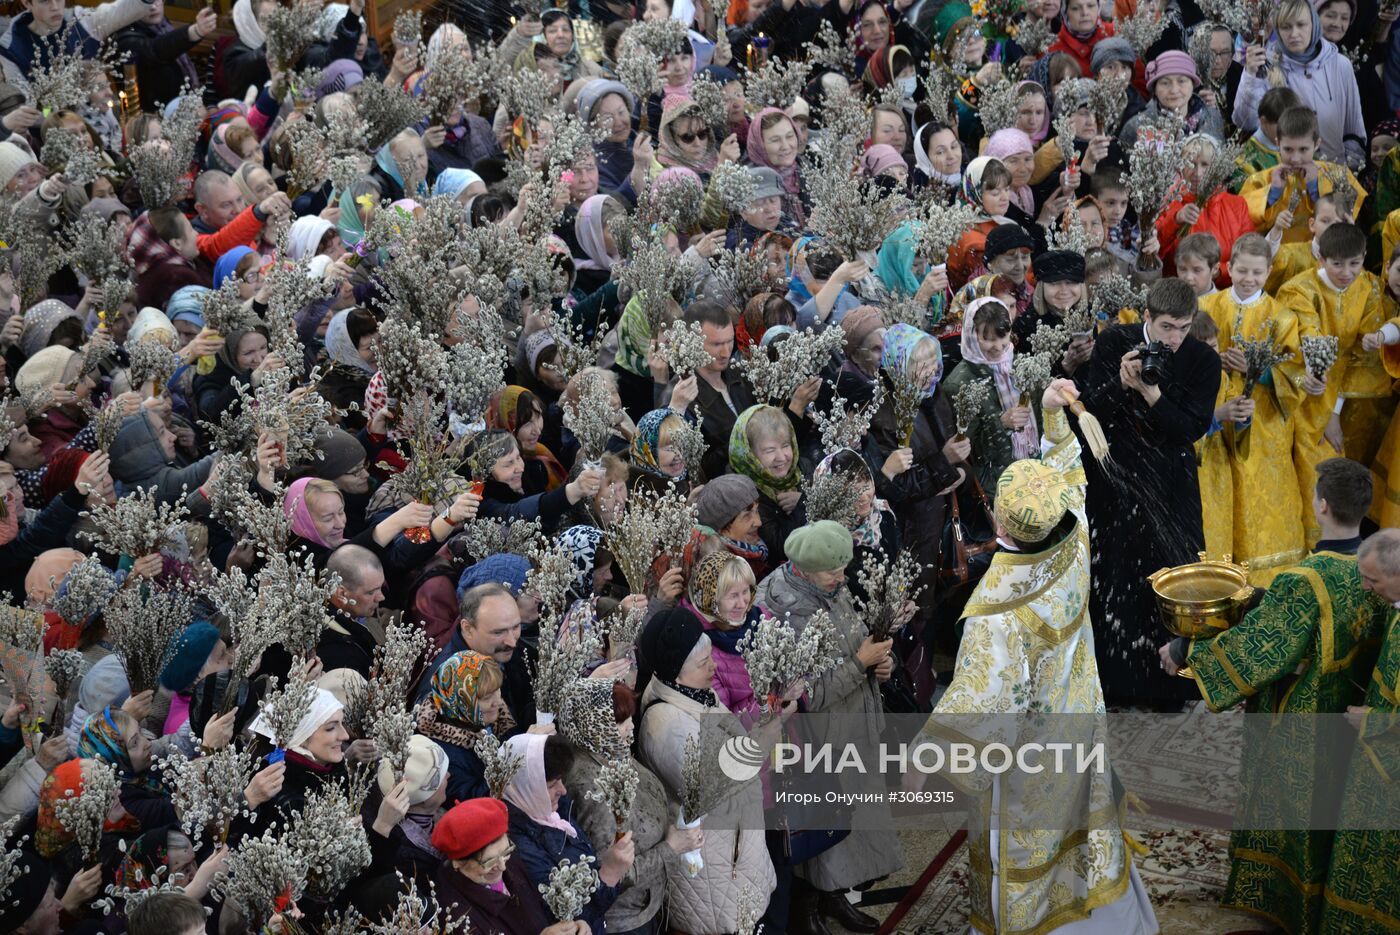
986,187
1225,216
1004,429
763,448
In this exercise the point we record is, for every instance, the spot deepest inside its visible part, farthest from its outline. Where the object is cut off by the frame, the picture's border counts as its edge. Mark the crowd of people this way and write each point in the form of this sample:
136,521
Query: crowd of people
407,449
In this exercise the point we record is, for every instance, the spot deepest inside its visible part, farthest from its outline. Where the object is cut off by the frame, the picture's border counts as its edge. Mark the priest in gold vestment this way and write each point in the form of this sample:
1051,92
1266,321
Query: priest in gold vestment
1305,650
1047,851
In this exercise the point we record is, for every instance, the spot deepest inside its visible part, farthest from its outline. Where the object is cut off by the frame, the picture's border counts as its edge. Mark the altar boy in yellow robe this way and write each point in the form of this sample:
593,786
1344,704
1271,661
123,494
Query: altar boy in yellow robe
1267,513
1301,256
1348,411
1213,454
1270,194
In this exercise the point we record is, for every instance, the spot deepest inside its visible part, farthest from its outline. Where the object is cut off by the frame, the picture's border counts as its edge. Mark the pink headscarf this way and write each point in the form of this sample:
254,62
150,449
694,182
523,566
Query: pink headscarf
12,507
589,228
880,157
758,153
529,788
1026,442
1039,135
1010,142
295,508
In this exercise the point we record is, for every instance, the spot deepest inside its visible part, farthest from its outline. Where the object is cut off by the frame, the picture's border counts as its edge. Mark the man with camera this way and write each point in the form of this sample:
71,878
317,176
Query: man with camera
1153,388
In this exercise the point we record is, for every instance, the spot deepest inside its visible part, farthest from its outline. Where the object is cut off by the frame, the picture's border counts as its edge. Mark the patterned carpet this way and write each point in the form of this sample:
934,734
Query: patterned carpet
1168,763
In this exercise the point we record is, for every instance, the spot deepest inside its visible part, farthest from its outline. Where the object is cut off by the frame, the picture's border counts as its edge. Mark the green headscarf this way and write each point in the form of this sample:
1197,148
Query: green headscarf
742,459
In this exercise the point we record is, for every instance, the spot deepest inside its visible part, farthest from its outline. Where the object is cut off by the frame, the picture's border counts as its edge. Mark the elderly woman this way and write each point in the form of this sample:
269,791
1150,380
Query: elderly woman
729,505
655,461
720,594
813,580
543,837
464,702
144,456
596,720
483,880
763,448
503,469
406,846
676,676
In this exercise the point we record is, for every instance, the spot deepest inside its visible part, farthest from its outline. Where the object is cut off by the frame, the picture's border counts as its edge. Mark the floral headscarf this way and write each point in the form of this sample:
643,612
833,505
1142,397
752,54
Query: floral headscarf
742,459
453,690
66,781
971,193
101,739
865,532
141,868
581,542
647,442
900,342
503,413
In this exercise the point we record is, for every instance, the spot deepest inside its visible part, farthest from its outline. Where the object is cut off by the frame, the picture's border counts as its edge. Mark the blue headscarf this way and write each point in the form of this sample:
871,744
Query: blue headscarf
386,161
228,264
187,304
900,341
454,181
1314,48
896,261
502,568
795,284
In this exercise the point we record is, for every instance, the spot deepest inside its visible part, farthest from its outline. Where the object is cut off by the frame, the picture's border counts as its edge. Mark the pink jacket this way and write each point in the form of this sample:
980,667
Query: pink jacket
731,681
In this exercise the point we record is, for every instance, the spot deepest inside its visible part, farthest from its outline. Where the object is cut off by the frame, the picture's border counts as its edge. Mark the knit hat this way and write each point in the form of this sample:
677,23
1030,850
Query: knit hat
12,97
470,826
1031,498
12,159
857,324
724,498
189,651
1059,266
1112,49
45,368
340,452
665,644
1172,62
105,683
425,770
62,472
26,893
504,568
342,75
825,545
1004,238
880,157
343,683
766,183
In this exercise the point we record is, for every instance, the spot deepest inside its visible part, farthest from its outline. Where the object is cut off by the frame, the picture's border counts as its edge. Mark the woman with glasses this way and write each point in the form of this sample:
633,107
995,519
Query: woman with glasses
483,881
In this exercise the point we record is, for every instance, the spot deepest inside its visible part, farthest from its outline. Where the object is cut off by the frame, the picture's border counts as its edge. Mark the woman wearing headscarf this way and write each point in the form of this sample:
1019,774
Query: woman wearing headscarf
316,509
242,359
684,139
464,702
675,677
1320,75
351,341
763,447
597,721
937,457
773,143
538,802
243,63
874,527
1081,28
313,236
55,842
654,460
906,274
115,737
521,413
555,31
720,593
1015,150
314,756
877,27
986,188
596,242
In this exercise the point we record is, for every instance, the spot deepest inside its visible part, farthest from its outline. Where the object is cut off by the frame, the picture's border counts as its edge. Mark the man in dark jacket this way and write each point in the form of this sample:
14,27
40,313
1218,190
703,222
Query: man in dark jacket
347,643
160,52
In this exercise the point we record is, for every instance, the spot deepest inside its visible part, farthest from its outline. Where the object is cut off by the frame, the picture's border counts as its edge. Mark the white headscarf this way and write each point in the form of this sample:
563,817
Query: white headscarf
323,707
305,236
150,320
245,21
339,345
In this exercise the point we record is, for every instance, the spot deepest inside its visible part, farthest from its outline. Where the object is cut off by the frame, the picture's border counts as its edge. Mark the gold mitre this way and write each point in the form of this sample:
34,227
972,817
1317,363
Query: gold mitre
1031,498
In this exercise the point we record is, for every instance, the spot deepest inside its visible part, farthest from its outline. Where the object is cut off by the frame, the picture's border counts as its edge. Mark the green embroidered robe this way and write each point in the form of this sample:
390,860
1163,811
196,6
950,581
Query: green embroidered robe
1304,650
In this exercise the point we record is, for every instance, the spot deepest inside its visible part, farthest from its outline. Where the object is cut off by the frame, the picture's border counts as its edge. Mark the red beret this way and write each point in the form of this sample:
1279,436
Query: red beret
469,826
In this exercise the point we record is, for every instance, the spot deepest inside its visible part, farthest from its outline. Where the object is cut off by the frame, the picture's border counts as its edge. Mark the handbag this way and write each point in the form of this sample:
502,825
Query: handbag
968,545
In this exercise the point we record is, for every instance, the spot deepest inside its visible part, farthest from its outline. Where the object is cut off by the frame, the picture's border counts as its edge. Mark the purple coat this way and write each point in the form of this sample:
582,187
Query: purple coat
731,682
1327,84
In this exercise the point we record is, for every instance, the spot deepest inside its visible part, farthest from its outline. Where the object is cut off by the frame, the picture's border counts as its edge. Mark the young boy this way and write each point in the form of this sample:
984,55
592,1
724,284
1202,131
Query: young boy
1269,192
1261,149
1345,411
1112,194
1266,531
1197,259
1294,258
1213,457
167,913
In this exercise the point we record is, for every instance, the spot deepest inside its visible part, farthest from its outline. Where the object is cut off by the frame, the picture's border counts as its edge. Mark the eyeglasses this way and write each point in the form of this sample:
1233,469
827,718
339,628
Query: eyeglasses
688,138
500,860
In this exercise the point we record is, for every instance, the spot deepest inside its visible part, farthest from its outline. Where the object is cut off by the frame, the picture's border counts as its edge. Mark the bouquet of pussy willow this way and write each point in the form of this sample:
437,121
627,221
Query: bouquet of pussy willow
84,813
417,281
499,764
207,792
653,523
161,167
138,524
1155,163
790,360
571,885
779,655
589,414
887,589
65,74
846,425
380,713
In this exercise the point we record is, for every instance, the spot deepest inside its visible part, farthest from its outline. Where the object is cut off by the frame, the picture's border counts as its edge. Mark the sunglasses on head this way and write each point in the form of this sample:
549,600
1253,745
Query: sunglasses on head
687,138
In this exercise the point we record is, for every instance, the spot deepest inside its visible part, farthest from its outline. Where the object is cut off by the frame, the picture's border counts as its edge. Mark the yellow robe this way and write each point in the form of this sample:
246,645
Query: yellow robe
1028,647
1357,377
1217,486
1256,194
1292,259
1385,469
1390,236
1267,517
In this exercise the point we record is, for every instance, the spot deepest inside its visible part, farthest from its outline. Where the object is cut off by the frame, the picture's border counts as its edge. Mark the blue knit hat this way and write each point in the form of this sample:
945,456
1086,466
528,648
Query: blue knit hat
189,651
502,568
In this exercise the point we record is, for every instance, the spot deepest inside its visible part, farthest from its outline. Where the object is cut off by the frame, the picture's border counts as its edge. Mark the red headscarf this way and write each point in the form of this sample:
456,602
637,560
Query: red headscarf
62,472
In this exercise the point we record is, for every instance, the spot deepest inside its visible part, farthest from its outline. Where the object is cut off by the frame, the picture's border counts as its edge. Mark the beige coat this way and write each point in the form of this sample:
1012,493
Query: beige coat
735,849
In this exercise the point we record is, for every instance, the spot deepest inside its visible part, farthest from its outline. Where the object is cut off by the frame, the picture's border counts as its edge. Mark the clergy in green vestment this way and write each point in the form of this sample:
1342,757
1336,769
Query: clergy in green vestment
1362,895
1306,649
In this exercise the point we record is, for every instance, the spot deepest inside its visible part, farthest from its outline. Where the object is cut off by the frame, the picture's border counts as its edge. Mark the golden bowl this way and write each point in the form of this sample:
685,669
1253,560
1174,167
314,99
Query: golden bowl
1202,599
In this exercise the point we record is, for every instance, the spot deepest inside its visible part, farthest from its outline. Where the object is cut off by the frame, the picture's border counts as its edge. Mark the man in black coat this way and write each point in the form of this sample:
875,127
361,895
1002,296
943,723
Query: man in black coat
160,52
1145,504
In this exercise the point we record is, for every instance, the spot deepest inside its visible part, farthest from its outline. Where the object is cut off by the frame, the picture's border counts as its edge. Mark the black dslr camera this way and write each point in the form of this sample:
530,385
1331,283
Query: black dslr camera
1156,360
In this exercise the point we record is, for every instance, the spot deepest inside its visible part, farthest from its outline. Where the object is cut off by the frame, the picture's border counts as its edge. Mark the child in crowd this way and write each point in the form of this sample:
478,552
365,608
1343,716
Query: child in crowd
1110,191
1261,149
1385,510
1345,412
1197,261
1224,216
1284,197
1004,429
1267,531
1301,256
